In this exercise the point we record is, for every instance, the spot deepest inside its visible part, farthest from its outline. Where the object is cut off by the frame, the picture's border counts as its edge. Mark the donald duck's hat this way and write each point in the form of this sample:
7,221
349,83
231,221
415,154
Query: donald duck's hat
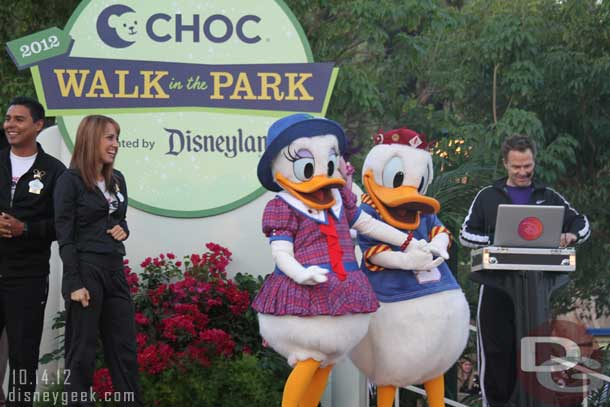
285,131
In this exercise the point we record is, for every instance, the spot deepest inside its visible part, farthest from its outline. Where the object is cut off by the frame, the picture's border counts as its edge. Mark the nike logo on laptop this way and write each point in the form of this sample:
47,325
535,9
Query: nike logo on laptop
538,202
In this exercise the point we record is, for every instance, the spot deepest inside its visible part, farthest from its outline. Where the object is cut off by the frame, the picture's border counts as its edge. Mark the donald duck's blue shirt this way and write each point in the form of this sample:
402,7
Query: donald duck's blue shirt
392,285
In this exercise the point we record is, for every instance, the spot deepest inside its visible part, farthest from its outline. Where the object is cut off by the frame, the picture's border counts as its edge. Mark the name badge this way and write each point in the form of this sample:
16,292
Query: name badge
36,186
120,197
430,276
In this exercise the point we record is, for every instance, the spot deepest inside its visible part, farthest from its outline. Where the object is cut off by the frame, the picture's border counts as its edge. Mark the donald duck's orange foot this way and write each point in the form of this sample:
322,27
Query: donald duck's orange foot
385,396
435,389
305,384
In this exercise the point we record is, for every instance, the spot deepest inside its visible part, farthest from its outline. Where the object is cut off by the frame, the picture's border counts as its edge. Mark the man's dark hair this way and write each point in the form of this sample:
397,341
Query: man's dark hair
518,142
35,108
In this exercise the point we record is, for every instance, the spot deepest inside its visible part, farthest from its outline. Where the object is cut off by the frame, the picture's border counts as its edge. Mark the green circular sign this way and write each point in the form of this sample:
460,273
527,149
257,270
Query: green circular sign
181,159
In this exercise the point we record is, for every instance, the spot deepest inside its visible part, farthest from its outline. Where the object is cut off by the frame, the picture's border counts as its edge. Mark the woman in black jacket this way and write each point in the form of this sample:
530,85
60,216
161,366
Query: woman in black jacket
90,204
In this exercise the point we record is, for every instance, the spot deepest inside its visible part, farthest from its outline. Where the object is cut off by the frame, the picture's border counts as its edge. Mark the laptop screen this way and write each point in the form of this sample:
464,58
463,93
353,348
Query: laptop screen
528,226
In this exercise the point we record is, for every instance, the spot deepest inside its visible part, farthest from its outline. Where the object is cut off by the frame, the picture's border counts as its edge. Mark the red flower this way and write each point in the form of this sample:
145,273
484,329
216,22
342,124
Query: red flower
141,319
154,358
190,310
156,295
141,340
133,281
200,320
146,262
102,383
177,326
195,259
213,302
222,341
198,354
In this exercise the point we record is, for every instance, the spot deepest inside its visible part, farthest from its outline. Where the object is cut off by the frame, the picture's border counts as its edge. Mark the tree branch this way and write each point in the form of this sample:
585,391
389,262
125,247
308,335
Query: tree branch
493,97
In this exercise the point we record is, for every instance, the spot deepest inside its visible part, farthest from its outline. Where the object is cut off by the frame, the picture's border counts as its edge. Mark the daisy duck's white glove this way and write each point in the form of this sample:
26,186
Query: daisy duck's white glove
371,227
438,246
283,256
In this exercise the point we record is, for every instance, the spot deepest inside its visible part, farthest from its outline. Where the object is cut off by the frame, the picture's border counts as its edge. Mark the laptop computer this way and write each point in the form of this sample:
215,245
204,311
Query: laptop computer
537,226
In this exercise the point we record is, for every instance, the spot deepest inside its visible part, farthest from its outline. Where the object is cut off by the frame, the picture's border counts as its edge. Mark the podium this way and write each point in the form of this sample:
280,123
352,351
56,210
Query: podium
529,276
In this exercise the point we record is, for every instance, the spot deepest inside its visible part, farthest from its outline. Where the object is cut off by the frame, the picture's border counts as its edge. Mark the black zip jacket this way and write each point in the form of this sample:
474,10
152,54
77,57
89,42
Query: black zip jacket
81,222
480,222
28,255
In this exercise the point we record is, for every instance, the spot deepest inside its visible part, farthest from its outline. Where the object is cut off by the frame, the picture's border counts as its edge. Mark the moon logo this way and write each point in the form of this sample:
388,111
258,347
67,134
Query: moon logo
108,31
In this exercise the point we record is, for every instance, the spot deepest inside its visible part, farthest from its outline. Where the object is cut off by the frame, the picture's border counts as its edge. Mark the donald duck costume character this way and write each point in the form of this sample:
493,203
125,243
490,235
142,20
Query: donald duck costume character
316,305
422,326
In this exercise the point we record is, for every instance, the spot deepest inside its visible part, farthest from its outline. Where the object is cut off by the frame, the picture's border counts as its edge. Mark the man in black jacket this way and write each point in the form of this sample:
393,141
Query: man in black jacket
496,318
27,180
3,141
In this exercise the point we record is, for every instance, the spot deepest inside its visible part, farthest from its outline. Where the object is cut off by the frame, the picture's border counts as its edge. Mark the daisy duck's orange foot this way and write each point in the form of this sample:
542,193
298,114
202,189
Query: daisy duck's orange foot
314,393
306,384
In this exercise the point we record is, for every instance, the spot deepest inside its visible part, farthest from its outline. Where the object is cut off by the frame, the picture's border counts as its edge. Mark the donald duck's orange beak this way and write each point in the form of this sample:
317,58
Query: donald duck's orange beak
315,193
400,207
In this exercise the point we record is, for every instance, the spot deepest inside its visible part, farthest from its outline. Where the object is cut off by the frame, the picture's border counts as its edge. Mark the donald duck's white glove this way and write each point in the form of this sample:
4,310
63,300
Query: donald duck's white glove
417,244
438,245
283,256
413,258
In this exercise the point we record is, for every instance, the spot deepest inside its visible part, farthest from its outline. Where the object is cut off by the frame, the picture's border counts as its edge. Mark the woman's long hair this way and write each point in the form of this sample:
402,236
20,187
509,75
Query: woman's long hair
465,377
86,155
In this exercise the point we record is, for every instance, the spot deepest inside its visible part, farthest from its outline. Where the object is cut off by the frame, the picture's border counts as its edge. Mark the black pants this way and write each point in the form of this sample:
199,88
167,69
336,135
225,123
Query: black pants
496,345
111,313
22,303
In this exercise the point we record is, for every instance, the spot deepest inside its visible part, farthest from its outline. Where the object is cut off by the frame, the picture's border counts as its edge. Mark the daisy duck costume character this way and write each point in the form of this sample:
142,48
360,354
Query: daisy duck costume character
316,305
421,327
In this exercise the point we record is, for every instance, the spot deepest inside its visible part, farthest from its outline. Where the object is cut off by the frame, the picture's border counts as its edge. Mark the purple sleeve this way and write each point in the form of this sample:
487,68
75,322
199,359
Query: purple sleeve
350,203
279,221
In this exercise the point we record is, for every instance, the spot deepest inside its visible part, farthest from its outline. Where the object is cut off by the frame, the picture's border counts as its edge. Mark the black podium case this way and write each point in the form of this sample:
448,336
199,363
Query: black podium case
529,277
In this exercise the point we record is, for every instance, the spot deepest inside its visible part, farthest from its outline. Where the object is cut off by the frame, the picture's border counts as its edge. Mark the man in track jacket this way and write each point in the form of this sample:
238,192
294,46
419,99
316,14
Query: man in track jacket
27,180
496,318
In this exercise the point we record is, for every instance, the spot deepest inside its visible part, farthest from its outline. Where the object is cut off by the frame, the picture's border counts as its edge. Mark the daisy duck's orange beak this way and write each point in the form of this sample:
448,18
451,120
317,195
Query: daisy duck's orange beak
315,193
401,206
